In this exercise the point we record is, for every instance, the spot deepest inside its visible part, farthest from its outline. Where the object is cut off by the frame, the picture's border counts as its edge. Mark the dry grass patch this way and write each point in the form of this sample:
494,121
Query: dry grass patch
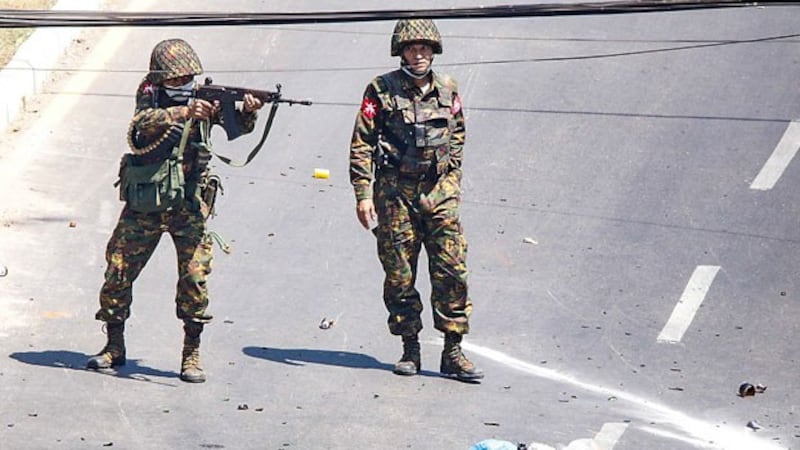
12,38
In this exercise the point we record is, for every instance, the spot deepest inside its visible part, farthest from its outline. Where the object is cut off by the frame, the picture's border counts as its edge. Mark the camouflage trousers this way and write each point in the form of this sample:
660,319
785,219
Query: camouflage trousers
132,244
405,224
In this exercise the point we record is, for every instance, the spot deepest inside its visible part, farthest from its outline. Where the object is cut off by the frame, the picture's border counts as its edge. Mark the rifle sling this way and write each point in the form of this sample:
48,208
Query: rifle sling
273,109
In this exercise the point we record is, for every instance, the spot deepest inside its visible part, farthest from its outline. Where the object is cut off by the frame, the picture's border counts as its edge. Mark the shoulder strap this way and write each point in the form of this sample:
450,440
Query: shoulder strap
273,109
187,128
392,83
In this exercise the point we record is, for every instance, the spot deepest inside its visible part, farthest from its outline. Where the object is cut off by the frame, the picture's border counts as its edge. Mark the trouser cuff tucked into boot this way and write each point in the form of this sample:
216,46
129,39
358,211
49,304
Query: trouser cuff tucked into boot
411,361
191,371
454,363
113,354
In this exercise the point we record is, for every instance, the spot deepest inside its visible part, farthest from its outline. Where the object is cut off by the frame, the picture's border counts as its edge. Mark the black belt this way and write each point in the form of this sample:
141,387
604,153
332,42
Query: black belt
409,176
420,176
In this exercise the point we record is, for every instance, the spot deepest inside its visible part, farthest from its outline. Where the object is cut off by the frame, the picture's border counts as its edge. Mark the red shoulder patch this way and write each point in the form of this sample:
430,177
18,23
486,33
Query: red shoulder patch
456,108
147,88
369,108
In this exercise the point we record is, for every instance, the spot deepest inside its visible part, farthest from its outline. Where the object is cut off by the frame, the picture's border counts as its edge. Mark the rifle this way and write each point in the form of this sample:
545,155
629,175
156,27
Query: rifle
228,95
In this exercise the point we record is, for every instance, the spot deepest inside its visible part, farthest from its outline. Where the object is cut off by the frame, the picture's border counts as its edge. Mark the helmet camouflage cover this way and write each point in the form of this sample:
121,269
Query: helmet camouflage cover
173,58
408,31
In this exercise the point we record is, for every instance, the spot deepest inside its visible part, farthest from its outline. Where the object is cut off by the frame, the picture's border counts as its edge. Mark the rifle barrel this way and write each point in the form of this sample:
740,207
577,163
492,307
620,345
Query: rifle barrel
237,93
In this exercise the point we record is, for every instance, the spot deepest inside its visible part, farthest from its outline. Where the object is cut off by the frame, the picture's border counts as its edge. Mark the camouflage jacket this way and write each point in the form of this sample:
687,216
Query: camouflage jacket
158,123
399,127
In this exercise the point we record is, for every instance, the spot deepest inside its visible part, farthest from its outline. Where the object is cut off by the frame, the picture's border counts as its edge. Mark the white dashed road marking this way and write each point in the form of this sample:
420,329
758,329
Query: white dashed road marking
687,306
609,435
780,158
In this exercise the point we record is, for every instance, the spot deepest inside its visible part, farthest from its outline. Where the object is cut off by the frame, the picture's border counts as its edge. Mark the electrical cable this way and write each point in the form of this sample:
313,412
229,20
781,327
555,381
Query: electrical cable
54,18
692,45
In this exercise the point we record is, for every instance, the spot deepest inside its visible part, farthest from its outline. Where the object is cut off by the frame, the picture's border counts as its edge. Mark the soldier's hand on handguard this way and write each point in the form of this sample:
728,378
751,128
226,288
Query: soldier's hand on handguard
365,210
251,103
202,109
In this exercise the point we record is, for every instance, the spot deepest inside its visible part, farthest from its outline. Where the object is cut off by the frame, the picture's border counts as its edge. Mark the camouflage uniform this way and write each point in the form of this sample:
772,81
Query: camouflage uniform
413,144
137,234
156,129
416,194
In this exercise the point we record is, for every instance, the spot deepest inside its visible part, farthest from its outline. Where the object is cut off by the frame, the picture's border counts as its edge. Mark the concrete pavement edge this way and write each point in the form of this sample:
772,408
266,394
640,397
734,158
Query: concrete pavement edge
33,62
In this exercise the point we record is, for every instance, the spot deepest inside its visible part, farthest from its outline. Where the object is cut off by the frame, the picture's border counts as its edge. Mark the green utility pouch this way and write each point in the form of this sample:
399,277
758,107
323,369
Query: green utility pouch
152,187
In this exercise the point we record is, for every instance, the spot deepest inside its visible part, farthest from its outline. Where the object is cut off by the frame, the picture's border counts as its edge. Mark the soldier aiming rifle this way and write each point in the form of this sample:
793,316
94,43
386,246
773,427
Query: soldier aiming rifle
167,187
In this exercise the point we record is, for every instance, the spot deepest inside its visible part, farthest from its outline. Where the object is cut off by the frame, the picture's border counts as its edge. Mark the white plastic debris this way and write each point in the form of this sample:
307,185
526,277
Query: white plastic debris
754,425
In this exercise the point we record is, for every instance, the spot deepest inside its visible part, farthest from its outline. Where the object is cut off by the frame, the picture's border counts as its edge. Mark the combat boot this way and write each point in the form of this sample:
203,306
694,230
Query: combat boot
411,361
191,372
454,363
113,354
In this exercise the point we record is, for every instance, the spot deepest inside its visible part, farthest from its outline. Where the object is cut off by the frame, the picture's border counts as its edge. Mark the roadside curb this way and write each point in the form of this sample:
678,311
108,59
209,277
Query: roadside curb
30,66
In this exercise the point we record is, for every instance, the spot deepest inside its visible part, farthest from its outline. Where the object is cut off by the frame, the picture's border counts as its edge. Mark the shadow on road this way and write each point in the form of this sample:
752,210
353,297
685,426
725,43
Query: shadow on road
65,359
301,356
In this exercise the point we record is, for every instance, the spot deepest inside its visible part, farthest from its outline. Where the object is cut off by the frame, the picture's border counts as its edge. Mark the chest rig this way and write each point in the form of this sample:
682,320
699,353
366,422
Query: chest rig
170,170
414,138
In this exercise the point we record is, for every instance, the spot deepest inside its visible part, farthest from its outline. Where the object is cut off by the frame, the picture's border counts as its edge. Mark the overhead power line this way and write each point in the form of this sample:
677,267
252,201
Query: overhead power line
10,18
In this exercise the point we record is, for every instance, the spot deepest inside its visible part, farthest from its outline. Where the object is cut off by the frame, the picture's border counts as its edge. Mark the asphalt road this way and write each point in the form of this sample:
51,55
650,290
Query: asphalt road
626,271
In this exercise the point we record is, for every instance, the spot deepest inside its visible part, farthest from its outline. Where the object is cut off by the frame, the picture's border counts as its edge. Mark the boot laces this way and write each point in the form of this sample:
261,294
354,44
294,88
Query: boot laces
458,359
191,357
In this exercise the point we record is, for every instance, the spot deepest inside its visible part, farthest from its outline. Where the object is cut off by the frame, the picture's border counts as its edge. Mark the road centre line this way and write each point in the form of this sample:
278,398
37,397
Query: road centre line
717,435
780,158
690,301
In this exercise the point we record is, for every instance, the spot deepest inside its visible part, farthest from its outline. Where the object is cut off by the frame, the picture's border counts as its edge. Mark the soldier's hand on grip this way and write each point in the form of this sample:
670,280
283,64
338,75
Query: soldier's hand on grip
202,109
251,103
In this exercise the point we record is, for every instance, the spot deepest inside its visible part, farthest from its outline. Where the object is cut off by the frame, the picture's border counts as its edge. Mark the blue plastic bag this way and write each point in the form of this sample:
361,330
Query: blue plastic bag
493,444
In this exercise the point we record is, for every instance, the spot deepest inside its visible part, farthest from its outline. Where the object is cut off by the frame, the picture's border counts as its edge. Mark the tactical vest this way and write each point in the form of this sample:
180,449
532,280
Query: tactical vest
159,184
415,136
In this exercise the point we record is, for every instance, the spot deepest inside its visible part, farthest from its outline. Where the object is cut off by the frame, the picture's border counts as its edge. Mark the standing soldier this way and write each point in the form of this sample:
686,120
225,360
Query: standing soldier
410,133
167,187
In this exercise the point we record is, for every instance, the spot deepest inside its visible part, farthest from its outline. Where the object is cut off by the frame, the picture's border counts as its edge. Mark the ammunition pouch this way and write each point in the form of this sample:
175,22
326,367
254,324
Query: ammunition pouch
407,165
153,187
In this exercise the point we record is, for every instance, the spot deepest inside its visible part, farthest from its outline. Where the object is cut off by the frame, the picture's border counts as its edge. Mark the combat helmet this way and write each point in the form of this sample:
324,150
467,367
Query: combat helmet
173,58
408,31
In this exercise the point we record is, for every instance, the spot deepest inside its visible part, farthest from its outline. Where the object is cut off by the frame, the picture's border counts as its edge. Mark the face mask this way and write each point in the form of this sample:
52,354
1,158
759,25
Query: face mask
180,93
410,72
